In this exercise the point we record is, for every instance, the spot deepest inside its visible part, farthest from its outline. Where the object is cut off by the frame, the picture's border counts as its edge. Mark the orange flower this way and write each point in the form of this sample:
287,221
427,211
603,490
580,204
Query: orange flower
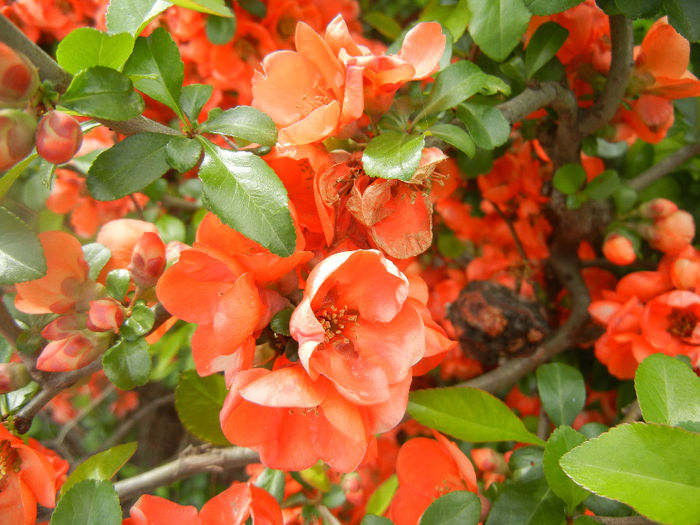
65,285
671,324
428,469
355,327
29,474
218,285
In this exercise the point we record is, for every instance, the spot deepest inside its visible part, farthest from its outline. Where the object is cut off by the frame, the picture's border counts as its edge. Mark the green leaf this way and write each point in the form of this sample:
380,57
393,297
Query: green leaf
371,519
156,69
192,99
639,8
244,192
468,414
210,7
96,255
90,502
21,256
653,468
549,7
117,283
625,198
198,401
280,321
102,466
220,30
132,16
603,186
254,7
526,464
87,47
486,124
171,228
497,26
138,323
455,136
11,175
104,93
454,84
562,392
455,508
393,155
569,178
531,503
243,122
543,45
381,498
386,25
128,166
684,16
668,390
272,481
128,363
559,443
182,153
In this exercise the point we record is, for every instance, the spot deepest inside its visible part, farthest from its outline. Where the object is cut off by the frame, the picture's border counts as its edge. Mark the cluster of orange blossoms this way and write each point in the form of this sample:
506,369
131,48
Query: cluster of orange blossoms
369,317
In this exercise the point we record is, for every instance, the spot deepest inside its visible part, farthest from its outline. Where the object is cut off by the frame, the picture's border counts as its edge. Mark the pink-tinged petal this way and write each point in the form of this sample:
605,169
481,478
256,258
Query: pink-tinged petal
68,354
311,46
397,345
315,126
338,37
285,387
603,311
38,474
282,90
353,97
17,503
154,510
341,438
465,466
120,236
230,507
264,507
422,48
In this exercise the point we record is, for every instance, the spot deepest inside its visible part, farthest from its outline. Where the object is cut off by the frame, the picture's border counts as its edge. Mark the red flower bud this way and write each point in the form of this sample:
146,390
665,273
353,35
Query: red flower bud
19,79
618,249
657,208
147,260
672,233
105,315
58,137
12,377
16,137
73,352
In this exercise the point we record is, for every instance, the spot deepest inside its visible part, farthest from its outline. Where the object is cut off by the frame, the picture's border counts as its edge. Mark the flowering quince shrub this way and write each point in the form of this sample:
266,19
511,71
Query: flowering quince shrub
303,261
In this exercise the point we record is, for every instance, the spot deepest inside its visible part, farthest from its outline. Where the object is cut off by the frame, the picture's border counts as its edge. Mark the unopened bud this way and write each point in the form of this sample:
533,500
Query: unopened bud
673,233
657,208
147,260
19,79
16,137
685,274
12,377
73,352
618,249
105,315
58,137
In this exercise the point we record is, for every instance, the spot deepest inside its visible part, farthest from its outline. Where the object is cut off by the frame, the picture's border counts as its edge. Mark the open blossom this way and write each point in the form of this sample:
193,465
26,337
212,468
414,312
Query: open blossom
359,336
329,81
29,474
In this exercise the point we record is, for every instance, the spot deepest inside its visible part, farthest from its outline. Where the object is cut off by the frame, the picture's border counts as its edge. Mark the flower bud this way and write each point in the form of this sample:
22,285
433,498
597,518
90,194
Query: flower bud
147,260
657,208
73,352
104,315
672,233
58,137
12,377
685,274
19,79
618,249
16,137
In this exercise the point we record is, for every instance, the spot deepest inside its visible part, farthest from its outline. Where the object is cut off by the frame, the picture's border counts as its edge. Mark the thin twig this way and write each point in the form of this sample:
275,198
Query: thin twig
632,413
532,99
624,520
94,403
188,465
665,166
50,70
8,328
621,63
129,423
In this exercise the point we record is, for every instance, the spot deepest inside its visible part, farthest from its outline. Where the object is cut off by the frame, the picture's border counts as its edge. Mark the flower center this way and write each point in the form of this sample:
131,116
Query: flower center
682,323
9,461
336,323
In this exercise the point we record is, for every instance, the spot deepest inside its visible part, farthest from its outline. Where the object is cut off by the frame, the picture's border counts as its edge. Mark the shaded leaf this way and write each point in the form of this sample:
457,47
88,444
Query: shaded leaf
559,443
21,256
486,125
243,122
455,508
454,84
128,363
381,498
497,26
531,503
455,136
89,502
198,401
104,93
562,392
543,45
